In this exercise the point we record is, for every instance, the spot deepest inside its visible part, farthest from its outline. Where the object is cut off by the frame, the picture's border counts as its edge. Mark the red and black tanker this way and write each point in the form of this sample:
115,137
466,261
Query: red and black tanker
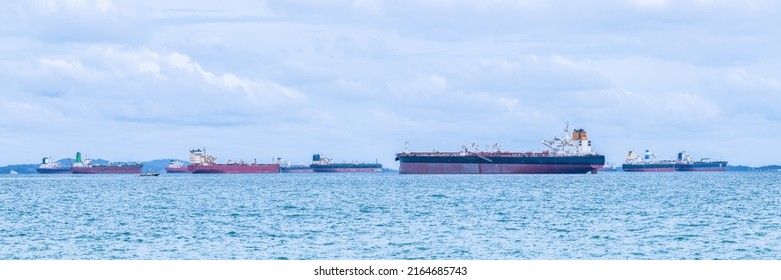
567,155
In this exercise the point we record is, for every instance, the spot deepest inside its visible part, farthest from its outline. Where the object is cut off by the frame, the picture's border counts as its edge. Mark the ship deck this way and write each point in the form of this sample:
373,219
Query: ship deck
492,154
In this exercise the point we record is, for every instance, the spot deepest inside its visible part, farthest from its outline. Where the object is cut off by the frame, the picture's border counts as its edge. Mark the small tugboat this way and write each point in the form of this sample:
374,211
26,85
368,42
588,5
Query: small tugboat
149,174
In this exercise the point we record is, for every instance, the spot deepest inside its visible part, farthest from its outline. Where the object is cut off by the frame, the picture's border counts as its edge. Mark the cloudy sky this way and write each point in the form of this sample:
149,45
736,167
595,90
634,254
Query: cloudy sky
356,79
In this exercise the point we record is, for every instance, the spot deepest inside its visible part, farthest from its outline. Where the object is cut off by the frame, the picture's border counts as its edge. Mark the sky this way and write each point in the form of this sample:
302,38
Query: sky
357,79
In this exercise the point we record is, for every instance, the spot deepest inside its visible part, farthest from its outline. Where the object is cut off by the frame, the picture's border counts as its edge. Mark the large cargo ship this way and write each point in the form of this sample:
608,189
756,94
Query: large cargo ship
200,162
685,163
287,167
647,163
322,164
296,169
176,166
52,167
569,154
86,167
609,167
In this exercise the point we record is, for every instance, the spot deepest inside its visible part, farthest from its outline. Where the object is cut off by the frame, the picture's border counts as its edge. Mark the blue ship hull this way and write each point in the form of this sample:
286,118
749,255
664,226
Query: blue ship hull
64,170
650,167
346,167
702,166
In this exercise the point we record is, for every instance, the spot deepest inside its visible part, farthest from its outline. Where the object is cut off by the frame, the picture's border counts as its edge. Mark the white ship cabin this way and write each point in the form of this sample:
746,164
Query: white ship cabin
199,157
576,143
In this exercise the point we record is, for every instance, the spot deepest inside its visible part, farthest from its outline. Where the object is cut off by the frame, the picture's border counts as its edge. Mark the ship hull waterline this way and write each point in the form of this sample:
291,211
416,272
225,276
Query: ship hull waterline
176,170
712,167
704,169
492,168
297,170
233,169
107,170
648,168
499,165
346,170
66,170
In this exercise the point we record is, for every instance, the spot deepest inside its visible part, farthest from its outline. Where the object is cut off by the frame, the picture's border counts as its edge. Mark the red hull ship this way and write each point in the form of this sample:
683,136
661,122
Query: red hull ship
201,163
108,169
86,167
568,155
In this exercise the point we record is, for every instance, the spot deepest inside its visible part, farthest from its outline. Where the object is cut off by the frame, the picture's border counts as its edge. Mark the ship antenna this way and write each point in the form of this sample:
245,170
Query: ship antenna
406,147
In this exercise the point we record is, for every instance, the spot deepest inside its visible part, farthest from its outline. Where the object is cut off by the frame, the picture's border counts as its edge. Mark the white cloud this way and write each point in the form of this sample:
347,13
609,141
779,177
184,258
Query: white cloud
651,3
54,6
60,65
109,77
438,73
748,81
19,114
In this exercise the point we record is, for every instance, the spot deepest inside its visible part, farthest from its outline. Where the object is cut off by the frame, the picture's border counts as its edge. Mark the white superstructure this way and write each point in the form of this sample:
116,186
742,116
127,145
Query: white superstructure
576,144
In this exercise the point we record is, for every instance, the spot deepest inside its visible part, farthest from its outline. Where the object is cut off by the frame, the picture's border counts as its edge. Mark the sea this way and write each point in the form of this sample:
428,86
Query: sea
387,216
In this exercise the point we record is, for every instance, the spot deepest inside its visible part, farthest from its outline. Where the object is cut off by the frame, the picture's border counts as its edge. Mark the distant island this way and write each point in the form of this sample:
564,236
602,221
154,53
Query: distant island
749,168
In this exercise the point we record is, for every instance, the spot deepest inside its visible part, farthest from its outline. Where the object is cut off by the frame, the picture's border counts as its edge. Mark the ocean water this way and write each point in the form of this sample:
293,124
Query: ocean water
722,215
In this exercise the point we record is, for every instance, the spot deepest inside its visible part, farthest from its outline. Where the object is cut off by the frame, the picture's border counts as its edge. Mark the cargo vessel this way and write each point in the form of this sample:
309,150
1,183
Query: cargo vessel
323,164
647,163
176,166
296,169
568,154
52,167
287,167
85,166
684,162
200,163
609,167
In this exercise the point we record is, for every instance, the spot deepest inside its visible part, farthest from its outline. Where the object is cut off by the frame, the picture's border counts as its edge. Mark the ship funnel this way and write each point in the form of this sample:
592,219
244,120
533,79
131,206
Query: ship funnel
579,134
78,157
45,160
316,157
647,154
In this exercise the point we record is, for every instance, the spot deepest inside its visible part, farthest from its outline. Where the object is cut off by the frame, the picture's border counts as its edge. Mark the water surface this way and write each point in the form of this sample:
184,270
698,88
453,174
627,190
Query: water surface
611,215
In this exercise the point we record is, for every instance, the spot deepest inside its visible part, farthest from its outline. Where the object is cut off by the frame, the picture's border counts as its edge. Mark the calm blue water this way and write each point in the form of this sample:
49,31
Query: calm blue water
726,215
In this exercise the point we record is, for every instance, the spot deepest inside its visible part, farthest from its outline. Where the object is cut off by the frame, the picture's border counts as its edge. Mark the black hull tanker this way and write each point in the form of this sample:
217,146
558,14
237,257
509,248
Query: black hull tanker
322,164
685,163
52,167
568,155
647,163
649,167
